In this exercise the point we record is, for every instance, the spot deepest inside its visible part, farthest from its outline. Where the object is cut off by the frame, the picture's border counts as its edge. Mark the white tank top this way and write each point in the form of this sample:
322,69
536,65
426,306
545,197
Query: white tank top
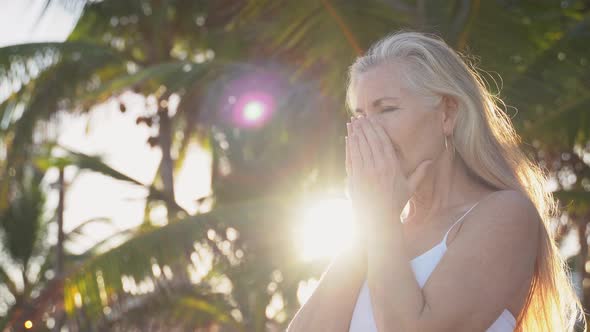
423,265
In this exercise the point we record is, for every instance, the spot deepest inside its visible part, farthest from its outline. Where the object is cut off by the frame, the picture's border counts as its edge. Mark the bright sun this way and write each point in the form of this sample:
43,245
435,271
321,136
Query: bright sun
327,227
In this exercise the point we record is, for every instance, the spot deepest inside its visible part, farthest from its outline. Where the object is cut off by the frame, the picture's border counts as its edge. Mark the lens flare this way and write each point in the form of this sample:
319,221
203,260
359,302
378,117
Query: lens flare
253,109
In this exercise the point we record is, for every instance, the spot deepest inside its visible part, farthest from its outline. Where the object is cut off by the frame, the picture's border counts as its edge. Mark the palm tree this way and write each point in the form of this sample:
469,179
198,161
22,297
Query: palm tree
37,288
157,48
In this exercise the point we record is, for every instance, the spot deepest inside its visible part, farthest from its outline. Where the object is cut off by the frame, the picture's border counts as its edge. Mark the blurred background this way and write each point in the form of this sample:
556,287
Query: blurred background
178,165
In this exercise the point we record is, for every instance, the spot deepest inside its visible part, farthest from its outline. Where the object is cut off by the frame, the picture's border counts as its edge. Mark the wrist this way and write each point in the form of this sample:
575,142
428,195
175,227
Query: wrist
384,225
386,233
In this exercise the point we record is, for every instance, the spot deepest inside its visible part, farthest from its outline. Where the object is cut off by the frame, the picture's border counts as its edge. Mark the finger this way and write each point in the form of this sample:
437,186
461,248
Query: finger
388,150
356,159
364,148
418,175
348,162
375,143
356,164
349,187
347,143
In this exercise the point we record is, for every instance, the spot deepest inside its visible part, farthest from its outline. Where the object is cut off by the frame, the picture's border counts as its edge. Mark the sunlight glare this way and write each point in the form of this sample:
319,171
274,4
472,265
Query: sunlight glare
327,228
305,289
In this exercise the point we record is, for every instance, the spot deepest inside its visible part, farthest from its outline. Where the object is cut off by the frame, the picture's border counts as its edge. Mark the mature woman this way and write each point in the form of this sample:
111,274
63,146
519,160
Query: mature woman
473,250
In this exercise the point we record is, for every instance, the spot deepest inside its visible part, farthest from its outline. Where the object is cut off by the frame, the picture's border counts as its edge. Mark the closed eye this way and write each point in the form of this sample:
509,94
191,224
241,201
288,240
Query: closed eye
387,109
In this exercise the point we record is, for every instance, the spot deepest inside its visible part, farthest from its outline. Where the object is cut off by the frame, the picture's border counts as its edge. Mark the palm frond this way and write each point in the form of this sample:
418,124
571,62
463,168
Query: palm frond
577,201
79,230
7,281
21,222
565,126
84,162
21,65
170,256
188,308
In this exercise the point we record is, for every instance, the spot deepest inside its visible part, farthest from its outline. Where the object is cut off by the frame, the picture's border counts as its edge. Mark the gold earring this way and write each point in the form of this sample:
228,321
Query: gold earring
446,145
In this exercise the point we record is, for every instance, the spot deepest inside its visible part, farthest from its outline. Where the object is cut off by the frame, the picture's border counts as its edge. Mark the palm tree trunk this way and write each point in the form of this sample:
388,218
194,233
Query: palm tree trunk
167,165
59,260
60,225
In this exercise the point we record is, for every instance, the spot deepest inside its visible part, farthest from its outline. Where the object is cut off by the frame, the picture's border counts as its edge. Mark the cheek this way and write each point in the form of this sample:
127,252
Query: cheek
409,137
426,142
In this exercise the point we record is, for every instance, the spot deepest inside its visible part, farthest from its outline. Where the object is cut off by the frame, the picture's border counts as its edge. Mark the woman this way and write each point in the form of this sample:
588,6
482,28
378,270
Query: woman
474,251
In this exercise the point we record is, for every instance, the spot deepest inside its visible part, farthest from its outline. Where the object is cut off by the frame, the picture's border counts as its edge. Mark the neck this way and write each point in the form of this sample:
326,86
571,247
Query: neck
449,186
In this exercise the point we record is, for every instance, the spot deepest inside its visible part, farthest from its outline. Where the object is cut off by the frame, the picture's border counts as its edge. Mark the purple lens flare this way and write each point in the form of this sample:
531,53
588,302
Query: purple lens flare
253,109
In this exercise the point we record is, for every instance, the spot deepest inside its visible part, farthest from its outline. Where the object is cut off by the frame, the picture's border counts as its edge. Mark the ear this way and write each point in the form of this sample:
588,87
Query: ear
449,113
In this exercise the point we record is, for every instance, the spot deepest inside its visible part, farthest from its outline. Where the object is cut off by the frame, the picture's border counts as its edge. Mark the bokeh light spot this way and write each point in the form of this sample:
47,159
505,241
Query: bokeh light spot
253,110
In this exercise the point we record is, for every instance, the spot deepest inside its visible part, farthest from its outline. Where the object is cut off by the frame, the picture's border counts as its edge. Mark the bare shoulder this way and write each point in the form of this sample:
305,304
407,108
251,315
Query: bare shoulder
498,246
508,215
505,218
507,208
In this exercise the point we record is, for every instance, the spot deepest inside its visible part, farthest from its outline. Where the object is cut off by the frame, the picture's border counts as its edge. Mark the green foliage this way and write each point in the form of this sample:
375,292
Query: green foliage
198,50
244,242
21,222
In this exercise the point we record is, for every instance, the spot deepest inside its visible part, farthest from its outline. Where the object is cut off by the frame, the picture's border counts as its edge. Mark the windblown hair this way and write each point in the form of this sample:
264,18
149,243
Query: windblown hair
485,139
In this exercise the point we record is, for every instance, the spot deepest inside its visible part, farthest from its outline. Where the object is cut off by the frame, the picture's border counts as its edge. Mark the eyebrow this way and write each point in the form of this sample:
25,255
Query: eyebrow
377,102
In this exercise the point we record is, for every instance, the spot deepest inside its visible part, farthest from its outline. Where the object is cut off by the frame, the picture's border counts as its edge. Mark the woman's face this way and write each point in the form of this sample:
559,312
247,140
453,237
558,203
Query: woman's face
413,124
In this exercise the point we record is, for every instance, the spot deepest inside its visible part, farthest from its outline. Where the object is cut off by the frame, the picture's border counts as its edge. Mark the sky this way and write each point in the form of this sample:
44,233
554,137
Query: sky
105,131
19,22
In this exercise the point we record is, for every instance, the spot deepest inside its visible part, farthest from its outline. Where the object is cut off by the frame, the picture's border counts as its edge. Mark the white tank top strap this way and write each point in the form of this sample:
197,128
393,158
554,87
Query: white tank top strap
456,222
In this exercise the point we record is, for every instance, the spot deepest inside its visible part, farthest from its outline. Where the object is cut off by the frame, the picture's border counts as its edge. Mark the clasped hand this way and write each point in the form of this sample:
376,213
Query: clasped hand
377,186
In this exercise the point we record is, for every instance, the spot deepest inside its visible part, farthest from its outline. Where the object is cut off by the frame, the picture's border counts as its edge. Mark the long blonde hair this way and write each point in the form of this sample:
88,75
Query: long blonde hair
488,144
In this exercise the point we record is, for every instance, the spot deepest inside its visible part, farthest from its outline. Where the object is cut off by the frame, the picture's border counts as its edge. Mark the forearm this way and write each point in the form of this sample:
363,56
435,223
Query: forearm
330,306
396,297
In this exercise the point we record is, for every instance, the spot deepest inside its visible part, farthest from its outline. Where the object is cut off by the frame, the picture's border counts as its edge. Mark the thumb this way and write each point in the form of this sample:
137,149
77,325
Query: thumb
418,174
